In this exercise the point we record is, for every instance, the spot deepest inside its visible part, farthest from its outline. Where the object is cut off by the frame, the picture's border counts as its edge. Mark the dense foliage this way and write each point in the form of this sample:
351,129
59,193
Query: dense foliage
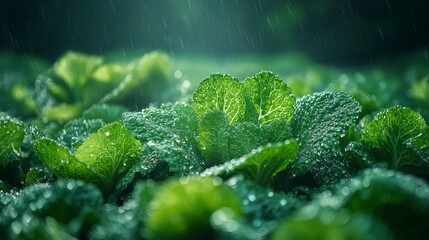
101,148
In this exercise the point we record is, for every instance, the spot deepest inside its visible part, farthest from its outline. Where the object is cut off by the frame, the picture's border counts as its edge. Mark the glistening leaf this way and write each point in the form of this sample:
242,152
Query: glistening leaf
319,123
61,161
213,132
261,165
220,92
11,136
220,141
399,136
76,131
101,159
170,132
271,97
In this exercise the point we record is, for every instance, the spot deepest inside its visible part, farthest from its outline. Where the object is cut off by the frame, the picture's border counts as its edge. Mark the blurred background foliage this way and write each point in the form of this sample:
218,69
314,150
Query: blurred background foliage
339,32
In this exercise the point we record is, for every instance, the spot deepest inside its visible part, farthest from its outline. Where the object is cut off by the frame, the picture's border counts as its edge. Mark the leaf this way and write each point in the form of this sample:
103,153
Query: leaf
11,136
398,136
101,159
319,123
66,202
149,167
420,146
220,92
110,152
170,132
317,223
213,131
37,175
172,213
62,163
76,131
271,97
220,141
386,195
111,74
146,80
261,165
75,68
62,112
262,204
247,136
116,223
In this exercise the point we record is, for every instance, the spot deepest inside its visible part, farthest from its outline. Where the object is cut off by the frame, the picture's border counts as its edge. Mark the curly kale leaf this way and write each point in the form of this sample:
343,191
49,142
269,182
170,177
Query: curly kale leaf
271,97
169,132
400,137
319,123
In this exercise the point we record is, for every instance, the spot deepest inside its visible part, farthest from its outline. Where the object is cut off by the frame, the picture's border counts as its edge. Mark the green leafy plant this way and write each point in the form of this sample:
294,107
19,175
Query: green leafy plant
172,213
169,132
262,164
236,118
319,123
398,136
77,81
271,97
327,224
386,195
101,159
220,92
57,211
106,147
11,137
220,141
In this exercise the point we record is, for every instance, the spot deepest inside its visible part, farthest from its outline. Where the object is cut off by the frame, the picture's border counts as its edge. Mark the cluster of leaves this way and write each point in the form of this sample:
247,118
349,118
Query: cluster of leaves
77,81
236,160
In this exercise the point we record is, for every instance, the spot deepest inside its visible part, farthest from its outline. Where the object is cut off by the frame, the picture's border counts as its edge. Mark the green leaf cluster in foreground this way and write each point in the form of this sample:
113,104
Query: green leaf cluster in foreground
101,159
102,154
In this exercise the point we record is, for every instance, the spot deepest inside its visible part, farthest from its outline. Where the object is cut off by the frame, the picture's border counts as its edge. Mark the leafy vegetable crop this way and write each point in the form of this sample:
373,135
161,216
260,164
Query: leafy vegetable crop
100,148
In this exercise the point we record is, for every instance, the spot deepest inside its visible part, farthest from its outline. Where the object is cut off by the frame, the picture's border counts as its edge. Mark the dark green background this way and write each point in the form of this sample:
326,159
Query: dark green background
331,31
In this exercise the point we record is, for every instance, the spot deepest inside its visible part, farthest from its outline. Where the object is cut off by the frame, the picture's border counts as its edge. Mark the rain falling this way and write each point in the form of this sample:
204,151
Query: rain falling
205,119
